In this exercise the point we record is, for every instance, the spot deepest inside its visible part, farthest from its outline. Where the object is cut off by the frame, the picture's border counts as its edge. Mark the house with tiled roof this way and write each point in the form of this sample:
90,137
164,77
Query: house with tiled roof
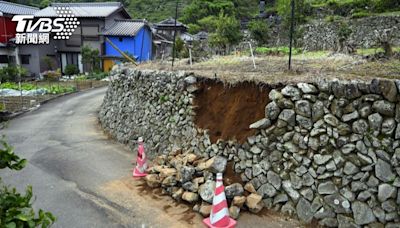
93,18
164,35
8,31
133,37
167,27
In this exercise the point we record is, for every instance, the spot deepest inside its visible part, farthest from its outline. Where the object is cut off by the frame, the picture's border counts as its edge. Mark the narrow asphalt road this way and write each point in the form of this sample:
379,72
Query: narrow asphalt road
84,178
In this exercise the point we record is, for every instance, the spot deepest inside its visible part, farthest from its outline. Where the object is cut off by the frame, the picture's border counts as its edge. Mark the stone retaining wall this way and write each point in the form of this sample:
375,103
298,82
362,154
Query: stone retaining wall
327,151
332,152
322,35
154,105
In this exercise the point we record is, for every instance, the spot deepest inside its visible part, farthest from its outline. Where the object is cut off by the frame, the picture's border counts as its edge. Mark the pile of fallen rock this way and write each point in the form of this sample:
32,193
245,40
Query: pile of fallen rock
191,178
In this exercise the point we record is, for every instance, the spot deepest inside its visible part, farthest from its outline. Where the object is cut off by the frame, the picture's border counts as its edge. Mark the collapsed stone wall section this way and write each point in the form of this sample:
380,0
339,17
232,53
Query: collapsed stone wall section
326,151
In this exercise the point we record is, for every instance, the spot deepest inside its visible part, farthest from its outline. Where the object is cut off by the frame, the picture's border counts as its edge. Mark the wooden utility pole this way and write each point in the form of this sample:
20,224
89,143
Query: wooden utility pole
190,56
252,56
291,33
173,45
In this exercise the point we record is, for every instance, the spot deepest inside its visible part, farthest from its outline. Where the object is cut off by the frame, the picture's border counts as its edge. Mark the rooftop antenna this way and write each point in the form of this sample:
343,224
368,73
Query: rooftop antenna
173,45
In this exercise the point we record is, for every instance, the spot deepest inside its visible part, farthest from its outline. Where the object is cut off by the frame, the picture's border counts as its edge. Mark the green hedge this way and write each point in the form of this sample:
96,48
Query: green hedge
276,51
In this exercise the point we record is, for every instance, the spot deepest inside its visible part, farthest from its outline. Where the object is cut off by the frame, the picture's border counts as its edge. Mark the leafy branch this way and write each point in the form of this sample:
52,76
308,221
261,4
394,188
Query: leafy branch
15,208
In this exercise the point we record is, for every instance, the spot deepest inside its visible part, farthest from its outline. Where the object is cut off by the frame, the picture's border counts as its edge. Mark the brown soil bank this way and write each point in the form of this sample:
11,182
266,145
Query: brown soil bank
228,110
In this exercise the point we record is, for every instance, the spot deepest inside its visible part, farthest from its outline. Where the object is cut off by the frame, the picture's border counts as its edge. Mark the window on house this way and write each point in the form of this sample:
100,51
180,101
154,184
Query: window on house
120,39
3,59
11,59
75,39
90,32
25,59
72,58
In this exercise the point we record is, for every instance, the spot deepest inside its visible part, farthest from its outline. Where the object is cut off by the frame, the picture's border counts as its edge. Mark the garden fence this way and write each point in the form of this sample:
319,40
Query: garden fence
11,104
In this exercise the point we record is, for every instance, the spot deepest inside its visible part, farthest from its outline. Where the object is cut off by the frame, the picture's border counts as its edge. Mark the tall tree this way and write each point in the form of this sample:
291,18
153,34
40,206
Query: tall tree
227,32
259,31
199,13
284,10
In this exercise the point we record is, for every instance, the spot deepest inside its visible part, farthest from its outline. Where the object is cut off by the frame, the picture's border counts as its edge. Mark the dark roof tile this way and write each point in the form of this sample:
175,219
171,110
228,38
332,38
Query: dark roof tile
125,27
16,9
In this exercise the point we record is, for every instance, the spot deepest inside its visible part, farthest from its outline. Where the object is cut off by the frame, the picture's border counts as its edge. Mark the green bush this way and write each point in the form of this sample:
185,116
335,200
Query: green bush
227,32
97,75
8,159
16,209
386,5
259,31
49,62
194,28
13,85
276,51
91,57
360,14
180,49
71,69
302,11
10,73
51,89
333,18
52,75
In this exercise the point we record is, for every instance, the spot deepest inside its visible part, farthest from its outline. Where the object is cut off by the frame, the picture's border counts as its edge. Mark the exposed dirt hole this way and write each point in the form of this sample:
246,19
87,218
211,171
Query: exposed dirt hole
227,111
230,177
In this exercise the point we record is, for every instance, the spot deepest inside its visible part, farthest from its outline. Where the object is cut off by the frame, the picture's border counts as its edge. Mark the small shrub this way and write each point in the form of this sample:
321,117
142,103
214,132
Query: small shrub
10,73
194,28
181,51
90,56
346,7
164,99
259,31
97,75
333,18
49,62
52,75
386,5
344,33
71,69
15,208
80,78
50,89
276,51
360,14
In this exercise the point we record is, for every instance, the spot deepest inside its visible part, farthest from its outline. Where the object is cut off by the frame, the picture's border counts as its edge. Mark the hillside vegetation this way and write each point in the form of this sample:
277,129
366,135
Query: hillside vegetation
193,11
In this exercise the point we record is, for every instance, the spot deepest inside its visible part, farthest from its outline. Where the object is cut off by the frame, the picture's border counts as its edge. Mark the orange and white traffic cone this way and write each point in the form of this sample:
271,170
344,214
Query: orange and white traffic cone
141,164
219,217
